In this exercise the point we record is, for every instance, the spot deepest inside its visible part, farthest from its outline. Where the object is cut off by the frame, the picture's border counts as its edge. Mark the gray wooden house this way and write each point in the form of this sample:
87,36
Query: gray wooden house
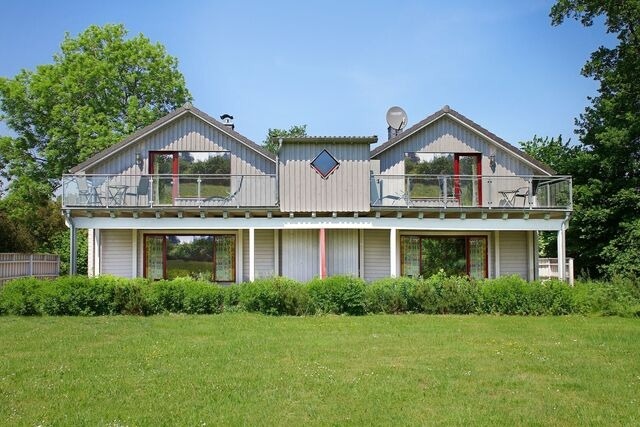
190,196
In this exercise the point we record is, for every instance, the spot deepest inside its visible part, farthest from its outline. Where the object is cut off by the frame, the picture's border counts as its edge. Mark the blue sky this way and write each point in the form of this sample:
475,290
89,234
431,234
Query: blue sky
337,66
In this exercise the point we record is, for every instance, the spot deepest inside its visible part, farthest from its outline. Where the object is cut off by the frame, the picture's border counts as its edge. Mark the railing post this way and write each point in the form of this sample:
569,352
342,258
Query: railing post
490,192
150,196
30,264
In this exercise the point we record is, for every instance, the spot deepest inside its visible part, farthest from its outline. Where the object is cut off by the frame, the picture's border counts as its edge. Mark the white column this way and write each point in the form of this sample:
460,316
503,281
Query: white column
562,256
531,257
361,252
97,252
134,253
252,254
393,252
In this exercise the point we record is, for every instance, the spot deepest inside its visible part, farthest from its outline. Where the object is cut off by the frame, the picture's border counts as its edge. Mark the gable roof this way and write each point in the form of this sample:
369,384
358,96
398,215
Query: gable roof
453,114
163,121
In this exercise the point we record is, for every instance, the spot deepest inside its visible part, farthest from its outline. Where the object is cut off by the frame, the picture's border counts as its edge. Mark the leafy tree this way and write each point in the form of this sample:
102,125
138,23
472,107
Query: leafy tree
271,142
607,170
100,87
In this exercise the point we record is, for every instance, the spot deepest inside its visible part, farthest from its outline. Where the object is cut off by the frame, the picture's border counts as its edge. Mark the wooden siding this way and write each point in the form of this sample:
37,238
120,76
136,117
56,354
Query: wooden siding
448,136
513,253
376,254
189,133
300,254
265,259
115,256
342,252
302,189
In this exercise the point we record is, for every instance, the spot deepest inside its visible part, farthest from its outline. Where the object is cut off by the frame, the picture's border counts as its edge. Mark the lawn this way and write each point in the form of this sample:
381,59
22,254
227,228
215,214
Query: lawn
241,368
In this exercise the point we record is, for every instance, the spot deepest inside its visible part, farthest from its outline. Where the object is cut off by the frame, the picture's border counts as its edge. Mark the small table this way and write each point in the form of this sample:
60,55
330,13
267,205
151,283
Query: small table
116,194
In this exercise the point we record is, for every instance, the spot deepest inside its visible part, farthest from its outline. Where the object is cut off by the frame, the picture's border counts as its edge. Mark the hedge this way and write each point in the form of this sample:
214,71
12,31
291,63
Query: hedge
439,294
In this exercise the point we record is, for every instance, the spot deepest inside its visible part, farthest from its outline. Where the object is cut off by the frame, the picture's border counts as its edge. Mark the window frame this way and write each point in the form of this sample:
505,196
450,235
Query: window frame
164,253
467,248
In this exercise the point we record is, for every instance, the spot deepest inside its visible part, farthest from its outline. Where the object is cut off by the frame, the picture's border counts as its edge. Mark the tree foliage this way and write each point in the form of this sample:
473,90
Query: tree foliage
100,87
271,141
606,169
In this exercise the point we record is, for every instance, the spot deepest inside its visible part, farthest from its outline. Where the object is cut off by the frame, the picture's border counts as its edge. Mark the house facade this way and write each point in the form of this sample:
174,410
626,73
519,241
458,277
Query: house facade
190,196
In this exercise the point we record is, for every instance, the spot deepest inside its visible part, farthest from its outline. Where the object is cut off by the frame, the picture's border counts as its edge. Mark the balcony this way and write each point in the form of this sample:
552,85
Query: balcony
471,191
167,191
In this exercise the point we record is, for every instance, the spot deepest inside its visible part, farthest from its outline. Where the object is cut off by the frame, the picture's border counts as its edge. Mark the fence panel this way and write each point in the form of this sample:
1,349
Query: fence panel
548,269
13,266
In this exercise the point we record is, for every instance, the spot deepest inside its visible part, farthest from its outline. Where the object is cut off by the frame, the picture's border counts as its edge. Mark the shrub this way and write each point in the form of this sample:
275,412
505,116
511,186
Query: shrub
182,295
276,295
442,294
21,297
504,295
337,295
391,295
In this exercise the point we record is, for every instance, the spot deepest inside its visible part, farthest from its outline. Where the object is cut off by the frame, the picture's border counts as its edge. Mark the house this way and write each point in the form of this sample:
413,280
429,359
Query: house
189,195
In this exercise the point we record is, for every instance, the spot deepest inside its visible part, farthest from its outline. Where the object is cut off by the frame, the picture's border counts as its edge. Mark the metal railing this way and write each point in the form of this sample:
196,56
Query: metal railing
162,190
445,191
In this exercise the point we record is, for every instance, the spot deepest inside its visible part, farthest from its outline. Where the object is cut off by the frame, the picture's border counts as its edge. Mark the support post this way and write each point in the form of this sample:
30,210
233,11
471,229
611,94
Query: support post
252,254
393,252
323,253
562,257
496,240
73,249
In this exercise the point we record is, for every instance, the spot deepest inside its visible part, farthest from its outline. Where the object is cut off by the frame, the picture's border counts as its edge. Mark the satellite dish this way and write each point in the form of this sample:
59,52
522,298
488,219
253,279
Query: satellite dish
396,118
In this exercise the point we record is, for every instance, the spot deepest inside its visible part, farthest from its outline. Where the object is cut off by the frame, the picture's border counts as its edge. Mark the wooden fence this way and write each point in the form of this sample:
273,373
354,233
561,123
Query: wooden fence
13,266
548,269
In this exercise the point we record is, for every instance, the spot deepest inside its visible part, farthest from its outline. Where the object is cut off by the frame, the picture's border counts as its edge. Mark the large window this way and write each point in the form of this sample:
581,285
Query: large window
426,255
210,257
181,174
444,176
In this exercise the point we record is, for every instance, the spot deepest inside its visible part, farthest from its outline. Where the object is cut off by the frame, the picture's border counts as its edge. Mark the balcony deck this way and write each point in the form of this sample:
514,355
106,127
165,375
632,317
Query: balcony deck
438,192
167,191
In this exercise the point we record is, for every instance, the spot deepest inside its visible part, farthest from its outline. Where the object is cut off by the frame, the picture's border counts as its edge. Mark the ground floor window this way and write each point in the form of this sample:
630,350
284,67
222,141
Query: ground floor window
426,255
209,257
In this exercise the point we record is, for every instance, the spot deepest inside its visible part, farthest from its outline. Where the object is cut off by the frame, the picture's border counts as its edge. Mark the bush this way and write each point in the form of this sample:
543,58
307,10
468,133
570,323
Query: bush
276,295
21,297
442,294
391,295
439,294
337,295
183,295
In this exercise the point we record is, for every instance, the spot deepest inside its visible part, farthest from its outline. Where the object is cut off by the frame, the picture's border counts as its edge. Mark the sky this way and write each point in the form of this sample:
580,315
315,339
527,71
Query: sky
337,66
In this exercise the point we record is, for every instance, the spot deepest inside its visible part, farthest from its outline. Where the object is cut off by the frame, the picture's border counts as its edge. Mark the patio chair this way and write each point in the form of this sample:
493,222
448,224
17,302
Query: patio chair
142,189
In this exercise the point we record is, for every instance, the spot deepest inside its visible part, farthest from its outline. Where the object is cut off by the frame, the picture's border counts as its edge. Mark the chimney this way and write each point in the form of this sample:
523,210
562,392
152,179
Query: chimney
227,120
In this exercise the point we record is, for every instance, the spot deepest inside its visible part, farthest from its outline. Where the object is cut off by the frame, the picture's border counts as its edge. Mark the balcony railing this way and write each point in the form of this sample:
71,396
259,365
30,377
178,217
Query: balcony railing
149,191
447,191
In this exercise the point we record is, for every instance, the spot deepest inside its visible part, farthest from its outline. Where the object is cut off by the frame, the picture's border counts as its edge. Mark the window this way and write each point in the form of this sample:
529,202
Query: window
324,164
190,174
209,257
444,176
426,255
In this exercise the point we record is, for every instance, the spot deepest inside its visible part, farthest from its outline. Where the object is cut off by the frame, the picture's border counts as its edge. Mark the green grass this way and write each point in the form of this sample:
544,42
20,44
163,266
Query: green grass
240,368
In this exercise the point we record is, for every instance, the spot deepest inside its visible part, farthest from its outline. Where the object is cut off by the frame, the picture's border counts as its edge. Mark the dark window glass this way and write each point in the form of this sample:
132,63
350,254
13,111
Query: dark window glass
324,164
203,257
427,255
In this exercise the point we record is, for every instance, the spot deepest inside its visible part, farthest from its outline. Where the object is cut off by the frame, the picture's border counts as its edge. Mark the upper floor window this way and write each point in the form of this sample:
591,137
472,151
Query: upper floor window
445,176
190,174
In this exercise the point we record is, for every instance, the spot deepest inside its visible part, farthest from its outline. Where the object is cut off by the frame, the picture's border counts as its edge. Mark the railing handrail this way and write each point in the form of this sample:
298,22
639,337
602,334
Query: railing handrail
550,177
113,175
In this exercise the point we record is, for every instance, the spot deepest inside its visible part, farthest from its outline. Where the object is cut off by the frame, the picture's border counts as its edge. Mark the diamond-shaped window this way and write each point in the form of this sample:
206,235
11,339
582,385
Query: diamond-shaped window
324,164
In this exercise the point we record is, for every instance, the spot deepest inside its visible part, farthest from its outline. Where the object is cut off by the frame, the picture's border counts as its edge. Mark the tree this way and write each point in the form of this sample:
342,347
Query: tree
607,170
271,143
100,87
